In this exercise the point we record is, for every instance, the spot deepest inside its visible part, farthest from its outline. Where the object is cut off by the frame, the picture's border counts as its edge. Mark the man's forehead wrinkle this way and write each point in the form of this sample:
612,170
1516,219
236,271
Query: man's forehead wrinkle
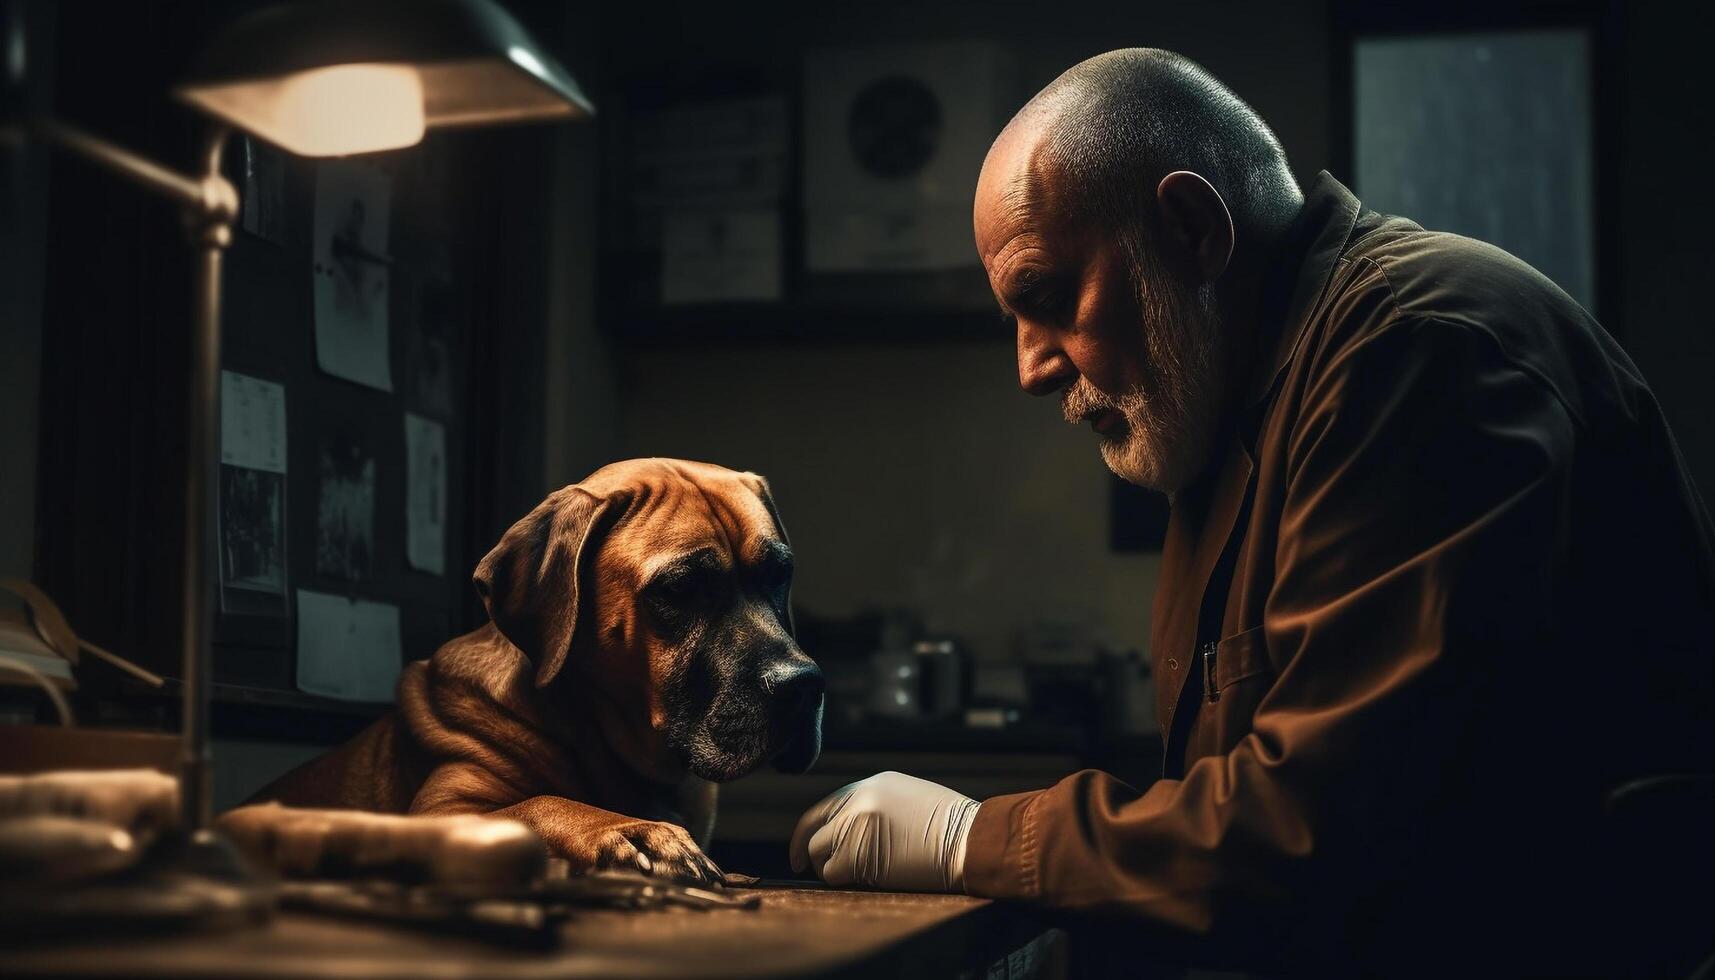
1020,196
999,195
1009,221
1052,168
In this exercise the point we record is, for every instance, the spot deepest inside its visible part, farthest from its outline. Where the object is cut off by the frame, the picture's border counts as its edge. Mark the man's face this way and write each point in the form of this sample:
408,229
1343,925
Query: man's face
1132,350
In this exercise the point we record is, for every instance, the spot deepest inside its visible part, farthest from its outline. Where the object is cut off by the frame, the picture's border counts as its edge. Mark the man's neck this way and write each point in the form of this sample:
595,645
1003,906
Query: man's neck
1251,300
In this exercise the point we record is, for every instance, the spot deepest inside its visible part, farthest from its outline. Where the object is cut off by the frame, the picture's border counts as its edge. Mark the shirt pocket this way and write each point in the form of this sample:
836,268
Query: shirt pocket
1236,675
1239,657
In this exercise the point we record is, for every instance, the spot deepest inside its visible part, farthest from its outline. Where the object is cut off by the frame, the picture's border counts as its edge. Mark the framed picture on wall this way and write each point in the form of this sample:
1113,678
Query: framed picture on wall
825,198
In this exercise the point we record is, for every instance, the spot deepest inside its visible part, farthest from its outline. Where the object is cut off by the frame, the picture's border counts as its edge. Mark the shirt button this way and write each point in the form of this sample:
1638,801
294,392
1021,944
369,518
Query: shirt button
1172,664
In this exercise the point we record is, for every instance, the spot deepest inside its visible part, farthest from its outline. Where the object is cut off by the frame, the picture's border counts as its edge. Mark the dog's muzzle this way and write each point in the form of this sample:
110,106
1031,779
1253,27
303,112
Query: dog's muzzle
795,709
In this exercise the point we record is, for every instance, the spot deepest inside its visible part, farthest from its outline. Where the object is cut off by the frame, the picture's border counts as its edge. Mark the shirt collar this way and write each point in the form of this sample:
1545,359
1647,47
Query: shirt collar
1313,245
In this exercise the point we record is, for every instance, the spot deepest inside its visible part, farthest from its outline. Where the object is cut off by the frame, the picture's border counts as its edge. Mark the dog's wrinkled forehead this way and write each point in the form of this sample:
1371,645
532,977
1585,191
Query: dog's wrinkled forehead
696,512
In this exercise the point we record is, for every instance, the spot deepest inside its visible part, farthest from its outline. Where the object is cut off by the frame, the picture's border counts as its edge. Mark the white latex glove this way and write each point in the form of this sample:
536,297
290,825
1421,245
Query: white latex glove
889,831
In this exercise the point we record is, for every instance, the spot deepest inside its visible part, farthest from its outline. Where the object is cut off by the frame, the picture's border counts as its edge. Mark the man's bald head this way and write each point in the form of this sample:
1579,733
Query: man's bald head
1123,218
1102,136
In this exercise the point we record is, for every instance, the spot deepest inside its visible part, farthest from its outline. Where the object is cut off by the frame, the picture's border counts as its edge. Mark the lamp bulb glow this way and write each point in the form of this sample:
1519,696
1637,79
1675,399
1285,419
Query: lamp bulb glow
332,111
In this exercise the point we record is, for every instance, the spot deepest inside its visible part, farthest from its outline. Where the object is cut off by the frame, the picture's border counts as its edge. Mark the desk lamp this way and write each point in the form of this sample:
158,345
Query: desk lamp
320,78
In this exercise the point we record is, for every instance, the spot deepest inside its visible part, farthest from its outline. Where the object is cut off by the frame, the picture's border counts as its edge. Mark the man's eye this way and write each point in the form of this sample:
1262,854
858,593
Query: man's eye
1044,301
1040,298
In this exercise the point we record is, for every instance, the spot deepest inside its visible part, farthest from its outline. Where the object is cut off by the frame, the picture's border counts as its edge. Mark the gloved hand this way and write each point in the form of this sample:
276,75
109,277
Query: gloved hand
889,831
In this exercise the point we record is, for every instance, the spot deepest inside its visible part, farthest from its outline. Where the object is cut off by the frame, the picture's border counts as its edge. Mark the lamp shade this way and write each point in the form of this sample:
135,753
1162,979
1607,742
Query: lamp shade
332,77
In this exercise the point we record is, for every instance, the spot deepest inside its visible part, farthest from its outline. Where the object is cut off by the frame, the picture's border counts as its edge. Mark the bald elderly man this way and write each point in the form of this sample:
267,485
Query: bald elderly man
1435,583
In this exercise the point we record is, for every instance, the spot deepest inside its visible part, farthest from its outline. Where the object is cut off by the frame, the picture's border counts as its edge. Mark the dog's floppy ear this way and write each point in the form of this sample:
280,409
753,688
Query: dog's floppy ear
759,484
530,581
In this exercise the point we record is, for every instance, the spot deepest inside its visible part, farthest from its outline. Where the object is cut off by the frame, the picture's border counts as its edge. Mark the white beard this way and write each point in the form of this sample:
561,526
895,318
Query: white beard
1171,416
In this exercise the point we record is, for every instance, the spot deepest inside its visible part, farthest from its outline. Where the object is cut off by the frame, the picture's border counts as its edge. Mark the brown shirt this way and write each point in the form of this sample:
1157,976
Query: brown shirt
1448,584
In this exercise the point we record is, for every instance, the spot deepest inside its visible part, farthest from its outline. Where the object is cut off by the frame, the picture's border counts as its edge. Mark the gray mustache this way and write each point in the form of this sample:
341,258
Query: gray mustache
1082,400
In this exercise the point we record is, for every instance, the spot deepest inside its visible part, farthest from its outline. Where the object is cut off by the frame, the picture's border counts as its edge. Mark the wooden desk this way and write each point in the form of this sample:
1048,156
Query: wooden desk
796,933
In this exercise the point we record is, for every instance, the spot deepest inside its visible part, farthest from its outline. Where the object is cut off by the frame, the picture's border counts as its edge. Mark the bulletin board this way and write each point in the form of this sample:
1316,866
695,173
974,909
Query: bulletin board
340,526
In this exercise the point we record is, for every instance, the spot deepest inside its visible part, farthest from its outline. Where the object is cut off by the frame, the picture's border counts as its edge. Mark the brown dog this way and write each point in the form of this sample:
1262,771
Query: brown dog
641,650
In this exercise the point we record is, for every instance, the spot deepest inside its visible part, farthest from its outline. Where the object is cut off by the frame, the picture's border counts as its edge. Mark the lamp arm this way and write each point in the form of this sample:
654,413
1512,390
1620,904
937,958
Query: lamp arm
210,196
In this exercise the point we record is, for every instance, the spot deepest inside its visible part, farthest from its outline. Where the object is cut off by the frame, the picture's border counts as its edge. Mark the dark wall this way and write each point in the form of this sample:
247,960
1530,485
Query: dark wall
115,314
1667,205
23,227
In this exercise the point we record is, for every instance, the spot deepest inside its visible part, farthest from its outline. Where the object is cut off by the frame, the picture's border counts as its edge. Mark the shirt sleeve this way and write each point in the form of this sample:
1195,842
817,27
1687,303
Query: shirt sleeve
1422,499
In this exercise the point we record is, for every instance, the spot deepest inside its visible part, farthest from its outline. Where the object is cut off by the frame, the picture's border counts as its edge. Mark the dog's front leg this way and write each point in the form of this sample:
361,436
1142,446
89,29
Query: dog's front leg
587,837
590,838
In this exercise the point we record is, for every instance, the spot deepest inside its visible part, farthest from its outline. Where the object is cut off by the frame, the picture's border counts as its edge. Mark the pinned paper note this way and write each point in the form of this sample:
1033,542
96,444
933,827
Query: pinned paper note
252,422
351,270
347,648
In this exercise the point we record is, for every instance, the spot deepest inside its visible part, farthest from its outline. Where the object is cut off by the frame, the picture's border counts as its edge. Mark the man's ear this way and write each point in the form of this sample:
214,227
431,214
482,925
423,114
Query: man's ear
759,484
530,581
1193,214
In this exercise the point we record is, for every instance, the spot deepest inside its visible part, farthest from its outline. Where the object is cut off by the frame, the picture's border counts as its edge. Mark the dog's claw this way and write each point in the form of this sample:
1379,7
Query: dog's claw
658,849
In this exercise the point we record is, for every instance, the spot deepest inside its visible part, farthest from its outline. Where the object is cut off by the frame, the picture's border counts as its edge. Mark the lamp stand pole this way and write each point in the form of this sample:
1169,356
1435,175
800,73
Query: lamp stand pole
210,229
210,206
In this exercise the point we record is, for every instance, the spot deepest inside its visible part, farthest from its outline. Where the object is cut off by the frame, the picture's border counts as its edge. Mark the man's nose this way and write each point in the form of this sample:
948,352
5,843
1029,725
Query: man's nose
1043,368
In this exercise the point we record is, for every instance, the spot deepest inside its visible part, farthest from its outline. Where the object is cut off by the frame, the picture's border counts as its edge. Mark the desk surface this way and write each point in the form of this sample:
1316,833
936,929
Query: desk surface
794,933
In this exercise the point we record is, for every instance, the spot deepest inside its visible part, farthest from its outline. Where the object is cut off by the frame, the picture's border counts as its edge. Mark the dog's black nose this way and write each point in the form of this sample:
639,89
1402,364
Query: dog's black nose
795,687
795,702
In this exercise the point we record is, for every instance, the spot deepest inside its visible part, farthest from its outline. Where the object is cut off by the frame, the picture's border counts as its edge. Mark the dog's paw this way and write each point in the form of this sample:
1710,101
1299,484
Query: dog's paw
652,847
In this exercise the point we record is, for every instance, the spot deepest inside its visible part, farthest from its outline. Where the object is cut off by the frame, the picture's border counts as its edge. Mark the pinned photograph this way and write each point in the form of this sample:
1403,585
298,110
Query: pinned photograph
351,269
252,502
345,510
252,541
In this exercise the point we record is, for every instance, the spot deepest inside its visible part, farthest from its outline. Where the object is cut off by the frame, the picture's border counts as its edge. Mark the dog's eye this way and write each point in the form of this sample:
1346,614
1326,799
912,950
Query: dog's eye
674,588
775,575
776,583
